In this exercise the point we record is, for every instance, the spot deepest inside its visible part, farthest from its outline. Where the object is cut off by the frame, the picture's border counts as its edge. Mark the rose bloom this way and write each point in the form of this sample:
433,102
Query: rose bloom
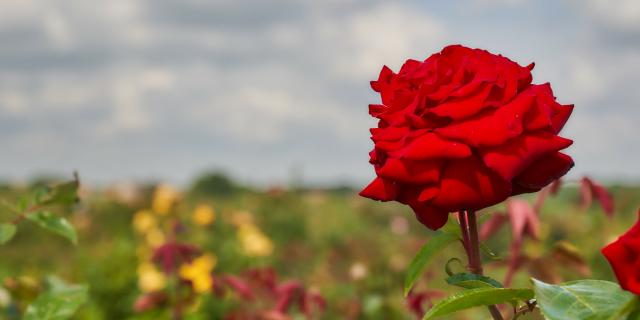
624,257
463,130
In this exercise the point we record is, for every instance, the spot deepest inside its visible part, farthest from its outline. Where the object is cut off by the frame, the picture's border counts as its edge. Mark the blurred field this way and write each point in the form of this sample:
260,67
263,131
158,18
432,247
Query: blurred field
352,251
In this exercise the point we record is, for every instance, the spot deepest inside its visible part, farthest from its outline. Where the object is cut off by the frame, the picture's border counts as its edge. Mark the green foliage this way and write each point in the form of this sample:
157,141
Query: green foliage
318,237
583,299
213,184
60,302
417,266
62,194
36,207
477,297
7,231
472,281
55,224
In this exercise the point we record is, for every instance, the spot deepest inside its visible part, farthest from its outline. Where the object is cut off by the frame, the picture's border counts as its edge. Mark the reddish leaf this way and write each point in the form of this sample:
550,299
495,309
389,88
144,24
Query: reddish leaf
590,189
149,301
544,269
568,256
285,294
554,187
492,225
310,299
551,189
524,220
239,286
416,300
271,300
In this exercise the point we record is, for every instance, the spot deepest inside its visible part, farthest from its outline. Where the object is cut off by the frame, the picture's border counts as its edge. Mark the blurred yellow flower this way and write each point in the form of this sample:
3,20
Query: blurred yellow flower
155,237
143,221
150,278
254,243
199,272
203,215
164,198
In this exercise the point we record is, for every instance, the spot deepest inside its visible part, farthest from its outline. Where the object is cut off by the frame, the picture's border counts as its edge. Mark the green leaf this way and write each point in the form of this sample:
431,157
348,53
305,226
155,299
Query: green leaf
64,194
56,224
60,302
7,231
473,281
583,299
477,297
438,242
492,255
449,270
452,226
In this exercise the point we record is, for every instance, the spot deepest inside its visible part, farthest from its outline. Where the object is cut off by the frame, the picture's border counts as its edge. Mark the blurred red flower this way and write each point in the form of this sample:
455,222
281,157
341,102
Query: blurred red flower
171,255
624,257
274,299
463,130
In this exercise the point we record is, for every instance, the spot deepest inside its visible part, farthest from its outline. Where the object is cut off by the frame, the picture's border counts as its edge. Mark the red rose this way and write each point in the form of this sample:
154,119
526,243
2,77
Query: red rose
624,257
463,130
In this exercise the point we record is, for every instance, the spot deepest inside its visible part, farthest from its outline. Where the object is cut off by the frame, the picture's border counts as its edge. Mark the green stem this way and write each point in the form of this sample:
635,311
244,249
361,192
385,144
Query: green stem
470,236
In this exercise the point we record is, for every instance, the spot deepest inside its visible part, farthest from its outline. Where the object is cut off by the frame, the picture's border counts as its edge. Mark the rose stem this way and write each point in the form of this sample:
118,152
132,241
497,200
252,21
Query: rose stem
469,226
465,230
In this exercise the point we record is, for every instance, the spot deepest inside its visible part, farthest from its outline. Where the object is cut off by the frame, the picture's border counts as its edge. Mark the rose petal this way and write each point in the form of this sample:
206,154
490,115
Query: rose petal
509,159
623,255
544,171
562,113
432,217
388,133
463,107
431,146
467,184
428,193
389,146
384,77
411,172
380,189
491,129
375,110
558,114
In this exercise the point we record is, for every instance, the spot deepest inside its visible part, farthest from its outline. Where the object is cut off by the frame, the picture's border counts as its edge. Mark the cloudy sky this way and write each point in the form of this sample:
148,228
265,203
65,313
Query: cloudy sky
161,89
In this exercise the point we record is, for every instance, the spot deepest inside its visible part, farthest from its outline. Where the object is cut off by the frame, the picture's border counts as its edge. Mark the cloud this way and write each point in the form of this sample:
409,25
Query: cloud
620,14
385,34
157,88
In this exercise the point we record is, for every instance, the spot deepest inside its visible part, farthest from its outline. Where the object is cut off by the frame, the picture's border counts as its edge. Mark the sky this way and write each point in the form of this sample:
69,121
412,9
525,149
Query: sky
275,90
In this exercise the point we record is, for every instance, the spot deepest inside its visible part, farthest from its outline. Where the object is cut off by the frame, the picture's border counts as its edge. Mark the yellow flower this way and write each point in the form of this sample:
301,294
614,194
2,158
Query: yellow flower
143,221
203,215
155,237
254,243
199,272
150,278
164,198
